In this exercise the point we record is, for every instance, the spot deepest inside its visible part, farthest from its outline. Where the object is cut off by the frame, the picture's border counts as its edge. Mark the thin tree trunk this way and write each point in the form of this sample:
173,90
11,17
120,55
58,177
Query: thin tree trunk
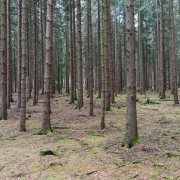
3,114
23,78
103,67
99,54
162,52
173,54
46,125
111,74
90,61
116,57
35,58
30,55
71,54
80,75
74,52
9,56
19,54
106,57
67,61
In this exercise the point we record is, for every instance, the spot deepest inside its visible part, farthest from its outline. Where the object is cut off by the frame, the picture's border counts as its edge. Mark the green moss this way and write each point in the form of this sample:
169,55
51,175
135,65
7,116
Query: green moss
48,131
127,146
79,107
49,152
108,109
51,164
39,132
136,141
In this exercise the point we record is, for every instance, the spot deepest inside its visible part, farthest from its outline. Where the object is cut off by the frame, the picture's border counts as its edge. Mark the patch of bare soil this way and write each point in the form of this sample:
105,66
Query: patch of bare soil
85,151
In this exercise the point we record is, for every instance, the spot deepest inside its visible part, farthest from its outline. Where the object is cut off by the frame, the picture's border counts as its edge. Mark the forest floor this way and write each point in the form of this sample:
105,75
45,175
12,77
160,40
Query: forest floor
85,151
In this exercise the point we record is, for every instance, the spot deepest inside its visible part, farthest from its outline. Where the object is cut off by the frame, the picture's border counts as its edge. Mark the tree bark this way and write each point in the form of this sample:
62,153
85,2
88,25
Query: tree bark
19,54
131,135
106,57
9,56
23,78
48,70
90,61
173,54
71,54
99,54
3,114
103,67
80,75
162,52
35,57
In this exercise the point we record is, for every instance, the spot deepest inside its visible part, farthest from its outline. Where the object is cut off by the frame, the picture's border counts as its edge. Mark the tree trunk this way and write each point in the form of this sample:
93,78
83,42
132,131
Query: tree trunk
116,57
71,54
9,56
35,58
90,61
19,54
103,67
30,55
3,114
162,53
74,53
23,78
106,57
111,74
48,70
67,61
173,54
80,75
99,55
42,55
131,135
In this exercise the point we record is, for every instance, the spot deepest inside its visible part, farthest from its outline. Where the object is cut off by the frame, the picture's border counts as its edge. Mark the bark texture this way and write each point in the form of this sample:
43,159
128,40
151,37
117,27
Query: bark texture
48,70
131,118
19,53
23,78
3,114
173,54
80,75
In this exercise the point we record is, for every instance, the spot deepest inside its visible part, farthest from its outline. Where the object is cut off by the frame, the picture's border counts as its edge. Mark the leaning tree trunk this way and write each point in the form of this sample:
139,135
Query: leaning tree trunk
3,114
173,54
80,75
131,135
19,54
23,78
48,69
